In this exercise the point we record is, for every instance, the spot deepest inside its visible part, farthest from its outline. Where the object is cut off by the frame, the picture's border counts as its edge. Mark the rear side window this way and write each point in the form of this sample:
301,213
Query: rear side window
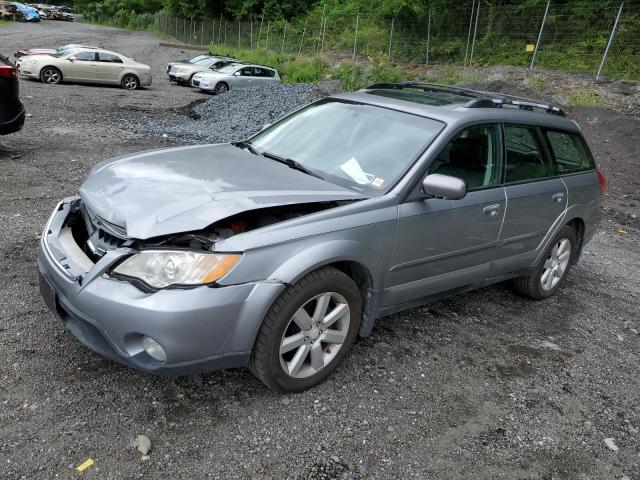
569,152
525,157
263,72
109,58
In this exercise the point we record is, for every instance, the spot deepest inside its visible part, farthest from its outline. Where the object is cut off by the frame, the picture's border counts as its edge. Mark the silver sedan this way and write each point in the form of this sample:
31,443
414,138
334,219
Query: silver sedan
235,75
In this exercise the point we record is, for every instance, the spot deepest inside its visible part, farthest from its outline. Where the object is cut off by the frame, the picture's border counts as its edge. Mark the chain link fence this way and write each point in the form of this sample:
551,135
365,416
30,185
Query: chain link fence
551,35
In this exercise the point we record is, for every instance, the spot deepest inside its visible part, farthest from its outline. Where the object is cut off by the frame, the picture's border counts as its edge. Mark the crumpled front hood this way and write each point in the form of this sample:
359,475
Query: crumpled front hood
183,189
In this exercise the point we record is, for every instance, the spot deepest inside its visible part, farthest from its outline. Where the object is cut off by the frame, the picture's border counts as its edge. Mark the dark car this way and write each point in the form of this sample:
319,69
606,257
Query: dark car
11,109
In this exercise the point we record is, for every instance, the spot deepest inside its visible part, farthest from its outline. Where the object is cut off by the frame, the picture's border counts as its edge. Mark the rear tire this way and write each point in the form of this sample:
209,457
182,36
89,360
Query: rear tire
221,87
130,82
552,268
51,75
295,350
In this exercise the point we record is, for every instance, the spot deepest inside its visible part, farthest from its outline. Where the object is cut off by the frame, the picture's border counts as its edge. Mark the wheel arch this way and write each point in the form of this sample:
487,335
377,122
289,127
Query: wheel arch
349,257
50,66
578,225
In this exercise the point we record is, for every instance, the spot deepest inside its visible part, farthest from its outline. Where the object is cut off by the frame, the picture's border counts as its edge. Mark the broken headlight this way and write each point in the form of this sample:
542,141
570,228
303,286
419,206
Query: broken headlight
161,268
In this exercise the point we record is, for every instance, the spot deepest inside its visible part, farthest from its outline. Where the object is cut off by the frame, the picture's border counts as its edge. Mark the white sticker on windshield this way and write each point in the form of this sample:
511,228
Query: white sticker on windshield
377,182
352,168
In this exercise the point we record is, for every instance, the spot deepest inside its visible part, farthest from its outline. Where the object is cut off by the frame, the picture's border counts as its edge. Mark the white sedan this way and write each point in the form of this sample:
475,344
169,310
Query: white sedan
87,65
235,75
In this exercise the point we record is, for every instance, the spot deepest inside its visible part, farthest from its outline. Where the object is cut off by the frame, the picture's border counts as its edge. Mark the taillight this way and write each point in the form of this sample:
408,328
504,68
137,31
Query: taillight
602,181
7,71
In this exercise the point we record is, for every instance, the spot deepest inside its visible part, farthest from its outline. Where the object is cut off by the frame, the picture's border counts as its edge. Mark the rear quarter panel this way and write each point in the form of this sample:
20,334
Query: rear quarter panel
584,200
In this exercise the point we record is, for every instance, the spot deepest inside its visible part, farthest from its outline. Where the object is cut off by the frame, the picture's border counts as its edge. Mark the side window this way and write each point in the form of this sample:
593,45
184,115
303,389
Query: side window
86,56
109,58
525,160
246,72
569,152
473,156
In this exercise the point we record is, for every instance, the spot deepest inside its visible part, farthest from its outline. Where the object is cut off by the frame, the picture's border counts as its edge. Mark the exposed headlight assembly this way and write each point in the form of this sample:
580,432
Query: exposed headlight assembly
162,268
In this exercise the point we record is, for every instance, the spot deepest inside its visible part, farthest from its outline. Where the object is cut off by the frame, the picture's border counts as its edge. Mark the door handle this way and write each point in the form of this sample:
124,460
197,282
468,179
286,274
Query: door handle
557,197
491,210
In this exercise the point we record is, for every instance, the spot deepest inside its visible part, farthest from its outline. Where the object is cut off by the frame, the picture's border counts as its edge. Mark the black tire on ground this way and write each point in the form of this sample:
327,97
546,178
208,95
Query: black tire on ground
531,285
265,358
221,87
130,82
51,75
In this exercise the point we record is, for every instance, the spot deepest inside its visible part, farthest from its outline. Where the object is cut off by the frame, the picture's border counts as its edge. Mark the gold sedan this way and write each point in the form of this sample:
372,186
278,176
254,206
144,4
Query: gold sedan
87,66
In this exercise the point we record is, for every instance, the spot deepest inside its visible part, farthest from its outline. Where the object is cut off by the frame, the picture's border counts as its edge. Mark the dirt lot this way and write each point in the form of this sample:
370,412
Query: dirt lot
485,385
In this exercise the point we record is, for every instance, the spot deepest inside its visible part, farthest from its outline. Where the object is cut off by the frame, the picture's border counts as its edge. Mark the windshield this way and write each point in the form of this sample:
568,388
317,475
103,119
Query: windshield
205,62
361,147
228,69
198,58
62,51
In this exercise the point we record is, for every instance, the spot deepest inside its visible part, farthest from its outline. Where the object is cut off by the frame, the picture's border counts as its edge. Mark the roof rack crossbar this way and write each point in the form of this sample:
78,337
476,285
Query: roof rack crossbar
481,98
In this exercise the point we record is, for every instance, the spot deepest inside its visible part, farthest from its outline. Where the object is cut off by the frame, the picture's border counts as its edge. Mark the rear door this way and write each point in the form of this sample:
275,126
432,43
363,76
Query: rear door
83,68
110,68
264,76
445,244
536,197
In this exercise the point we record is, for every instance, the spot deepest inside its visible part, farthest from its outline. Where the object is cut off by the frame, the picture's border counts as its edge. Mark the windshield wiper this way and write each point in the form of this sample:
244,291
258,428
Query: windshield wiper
291,164
247,145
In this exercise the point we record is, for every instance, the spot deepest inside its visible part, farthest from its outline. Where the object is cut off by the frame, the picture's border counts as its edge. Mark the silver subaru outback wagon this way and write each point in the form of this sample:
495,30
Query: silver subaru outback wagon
277,252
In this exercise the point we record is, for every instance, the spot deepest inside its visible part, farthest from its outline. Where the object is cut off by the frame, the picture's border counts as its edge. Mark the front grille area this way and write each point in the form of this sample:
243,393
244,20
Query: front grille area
102,236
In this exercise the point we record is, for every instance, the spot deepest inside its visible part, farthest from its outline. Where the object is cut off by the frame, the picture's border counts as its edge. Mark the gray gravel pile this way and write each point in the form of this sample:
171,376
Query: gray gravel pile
232,116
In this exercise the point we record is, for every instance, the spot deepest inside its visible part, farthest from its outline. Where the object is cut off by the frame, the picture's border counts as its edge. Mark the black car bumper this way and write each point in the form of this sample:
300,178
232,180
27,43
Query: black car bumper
13,125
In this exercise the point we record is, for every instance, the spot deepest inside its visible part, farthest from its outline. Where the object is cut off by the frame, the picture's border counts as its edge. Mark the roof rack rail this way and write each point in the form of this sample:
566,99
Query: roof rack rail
521,104
481,98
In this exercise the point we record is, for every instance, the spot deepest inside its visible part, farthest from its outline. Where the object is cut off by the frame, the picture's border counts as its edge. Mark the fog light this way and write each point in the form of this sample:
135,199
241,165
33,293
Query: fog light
153,349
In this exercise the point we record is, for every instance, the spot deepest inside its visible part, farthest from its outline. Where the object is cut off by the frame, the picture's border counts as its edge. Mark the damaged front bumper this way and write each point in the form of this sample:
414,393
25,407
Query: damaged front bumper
200,329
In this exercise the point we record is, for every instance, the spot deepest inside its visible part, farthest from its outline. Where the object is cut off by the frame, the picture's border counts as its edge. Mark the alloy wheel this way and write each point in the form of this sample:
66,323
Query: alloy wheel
130,83
51,76
556,264
314,335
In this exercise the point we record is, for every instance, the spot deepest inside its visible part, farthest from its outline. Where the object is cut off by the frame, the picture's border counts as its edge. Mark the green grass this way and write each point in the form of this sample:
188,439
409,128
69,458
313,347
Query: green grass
3,23
587,98
452,75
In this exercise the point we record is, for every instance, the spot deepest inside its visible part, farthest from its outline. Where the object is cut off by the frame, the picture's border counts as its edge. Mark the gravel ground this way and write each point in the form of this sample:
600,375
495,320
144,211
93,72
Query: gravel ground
230,117
484,385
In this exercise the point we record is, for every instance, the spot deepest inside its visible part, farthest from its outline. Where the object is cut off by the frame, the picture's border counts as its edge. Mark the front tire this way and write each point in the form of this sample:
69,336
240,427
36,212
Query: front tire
221,88
51,75
307,332
553,267
130,82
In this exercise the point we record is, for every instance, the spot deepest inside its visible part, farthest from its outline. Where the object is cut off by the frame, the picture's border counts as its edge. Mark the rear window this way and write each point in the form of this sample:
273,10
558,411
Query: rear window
570,153
5,61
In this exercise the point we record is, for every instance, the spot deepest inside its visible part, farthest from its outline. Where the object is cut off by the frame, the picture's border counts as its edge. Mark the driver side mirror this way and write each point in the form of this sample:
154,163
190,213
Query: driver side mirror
72,58
236,74
444,186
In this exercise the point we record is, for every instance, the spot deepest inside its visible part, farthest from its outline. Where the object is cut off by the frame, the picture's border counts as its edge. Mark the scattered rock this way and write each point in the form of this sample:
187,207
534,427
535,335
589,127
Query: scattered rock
611,444
143,444
285,401
381,346
623,87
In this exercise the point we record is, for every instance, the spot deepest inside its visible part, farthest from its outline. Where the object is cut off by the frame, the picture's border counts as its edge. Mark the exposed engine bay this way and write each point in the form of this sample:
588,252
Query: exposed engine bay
96,236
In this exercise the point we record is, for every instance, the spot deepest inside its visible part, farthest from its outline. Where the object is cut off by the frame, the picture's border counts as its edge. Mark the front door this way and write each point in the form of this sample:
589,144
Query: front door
244,79
444,244
82,68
